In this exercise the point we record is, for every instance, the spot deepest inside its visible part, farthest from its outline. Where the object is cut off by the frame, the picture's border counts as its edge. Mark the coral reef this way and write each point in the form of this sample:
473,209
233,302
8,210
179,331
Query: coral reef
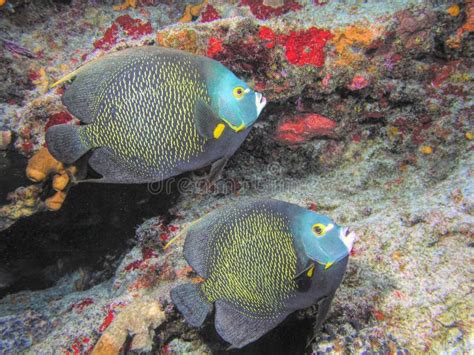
125,5
115,334
369,121
24,202
263,10
305,127
192,11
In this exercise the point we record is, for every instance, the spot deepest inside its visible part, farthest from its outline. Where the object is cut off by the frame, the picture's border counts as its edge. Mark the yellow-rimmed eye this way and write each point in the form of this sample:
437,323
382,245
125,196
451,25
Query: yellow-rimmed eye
319,229
239,92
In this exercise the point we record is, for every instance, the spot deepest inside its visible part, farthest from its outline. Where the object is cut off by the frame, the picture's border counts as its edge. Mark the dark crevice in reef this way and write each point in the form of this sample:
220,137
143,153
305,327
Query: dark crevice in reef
12,173
290,337
93,229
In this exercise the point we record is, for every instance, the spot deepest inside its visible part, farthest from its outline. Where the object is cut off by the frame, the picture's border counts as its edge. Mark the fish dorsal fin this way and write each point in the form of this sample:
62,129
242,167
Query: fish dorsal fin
90,79
208,124
67,77
197,244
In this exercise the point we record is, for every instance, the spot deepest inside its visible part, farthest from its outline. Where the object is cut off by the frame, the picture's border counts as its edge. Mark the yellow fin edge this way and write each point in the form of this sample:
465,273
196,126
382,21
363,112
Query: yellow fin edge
67,77
182,233
167,245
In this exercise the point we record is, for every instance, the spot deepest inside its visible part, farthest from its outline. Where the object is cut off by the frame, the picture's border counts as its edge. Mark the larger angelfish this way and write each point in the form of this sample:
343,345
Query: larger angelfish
150,113
261,260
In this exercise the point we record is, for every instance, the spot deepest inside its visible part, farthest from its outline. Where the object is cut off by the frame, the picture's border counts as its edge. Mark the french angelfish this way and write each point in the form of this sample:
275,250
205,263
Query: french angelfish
261,260
150,113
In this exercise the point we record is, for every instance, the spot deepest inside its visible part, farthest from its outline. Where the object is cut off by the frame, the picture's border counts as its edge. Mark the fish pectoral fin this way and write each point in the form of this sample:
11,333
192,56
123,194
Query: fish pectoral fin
208,124
216,169
308,271
324,305
304,277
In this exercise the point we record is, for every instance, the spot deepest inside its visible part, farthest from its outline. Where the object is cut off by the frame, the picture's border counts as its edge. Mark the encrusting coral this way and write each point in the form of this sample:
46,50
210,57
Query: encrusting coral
126,4
24,202
41,166
468,26
192,11
138,318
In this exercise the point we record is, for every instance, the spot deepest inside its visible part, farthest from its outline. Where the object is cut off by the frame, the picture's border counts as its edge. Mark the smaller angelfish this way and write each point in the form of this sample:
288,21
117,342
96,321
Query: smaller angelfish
261,261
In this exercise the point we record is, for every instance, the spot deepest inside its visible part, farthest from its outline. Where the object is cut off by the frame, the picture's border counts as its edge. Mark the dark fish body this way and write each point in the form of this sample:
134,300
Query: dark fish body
254,268
139,106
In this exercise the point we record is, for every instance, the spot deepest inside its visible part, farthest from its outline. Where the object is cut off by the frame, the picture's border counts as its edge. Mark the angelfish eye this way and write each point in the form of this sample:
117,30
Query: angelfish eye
238,92
319,229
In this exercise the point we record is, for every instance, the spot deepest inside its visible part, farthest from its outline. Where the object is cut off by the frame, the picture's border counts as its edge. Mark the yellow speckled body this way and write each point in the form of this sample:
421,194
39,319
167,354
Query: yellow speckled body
254,263
163,132
250,260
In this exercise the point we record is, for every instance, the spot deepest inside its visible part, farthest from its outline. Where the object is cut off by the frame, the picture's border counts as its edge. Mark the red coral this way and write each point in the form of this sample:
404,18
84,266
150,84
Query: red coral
302,47
263,12
173,228
136,265
358,82
135,28
164,237
210,14
109,318
27,147
379,315
304,127
306,47
267,34
259,86
58,118
214,47
33,75
80,346
356,138
148,253
109,39
79,306
443,73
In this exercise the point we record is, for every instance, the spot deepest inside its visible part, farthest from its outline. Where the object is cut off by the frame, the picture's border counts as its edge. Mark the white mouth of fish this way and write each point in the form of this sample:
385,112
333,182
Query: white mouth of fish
260,102
348,238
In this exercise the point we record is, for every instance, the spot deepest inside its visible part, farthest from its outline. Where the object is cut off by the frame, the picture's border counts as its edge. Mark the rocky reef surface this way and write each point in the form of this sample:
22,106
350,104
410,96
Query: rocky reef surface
370,121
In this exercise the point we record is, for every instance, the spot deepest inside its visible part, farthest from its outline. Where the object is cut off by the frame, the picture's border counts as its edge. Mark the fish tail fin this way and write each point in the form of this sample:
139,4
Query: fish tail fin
64,143
191,302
